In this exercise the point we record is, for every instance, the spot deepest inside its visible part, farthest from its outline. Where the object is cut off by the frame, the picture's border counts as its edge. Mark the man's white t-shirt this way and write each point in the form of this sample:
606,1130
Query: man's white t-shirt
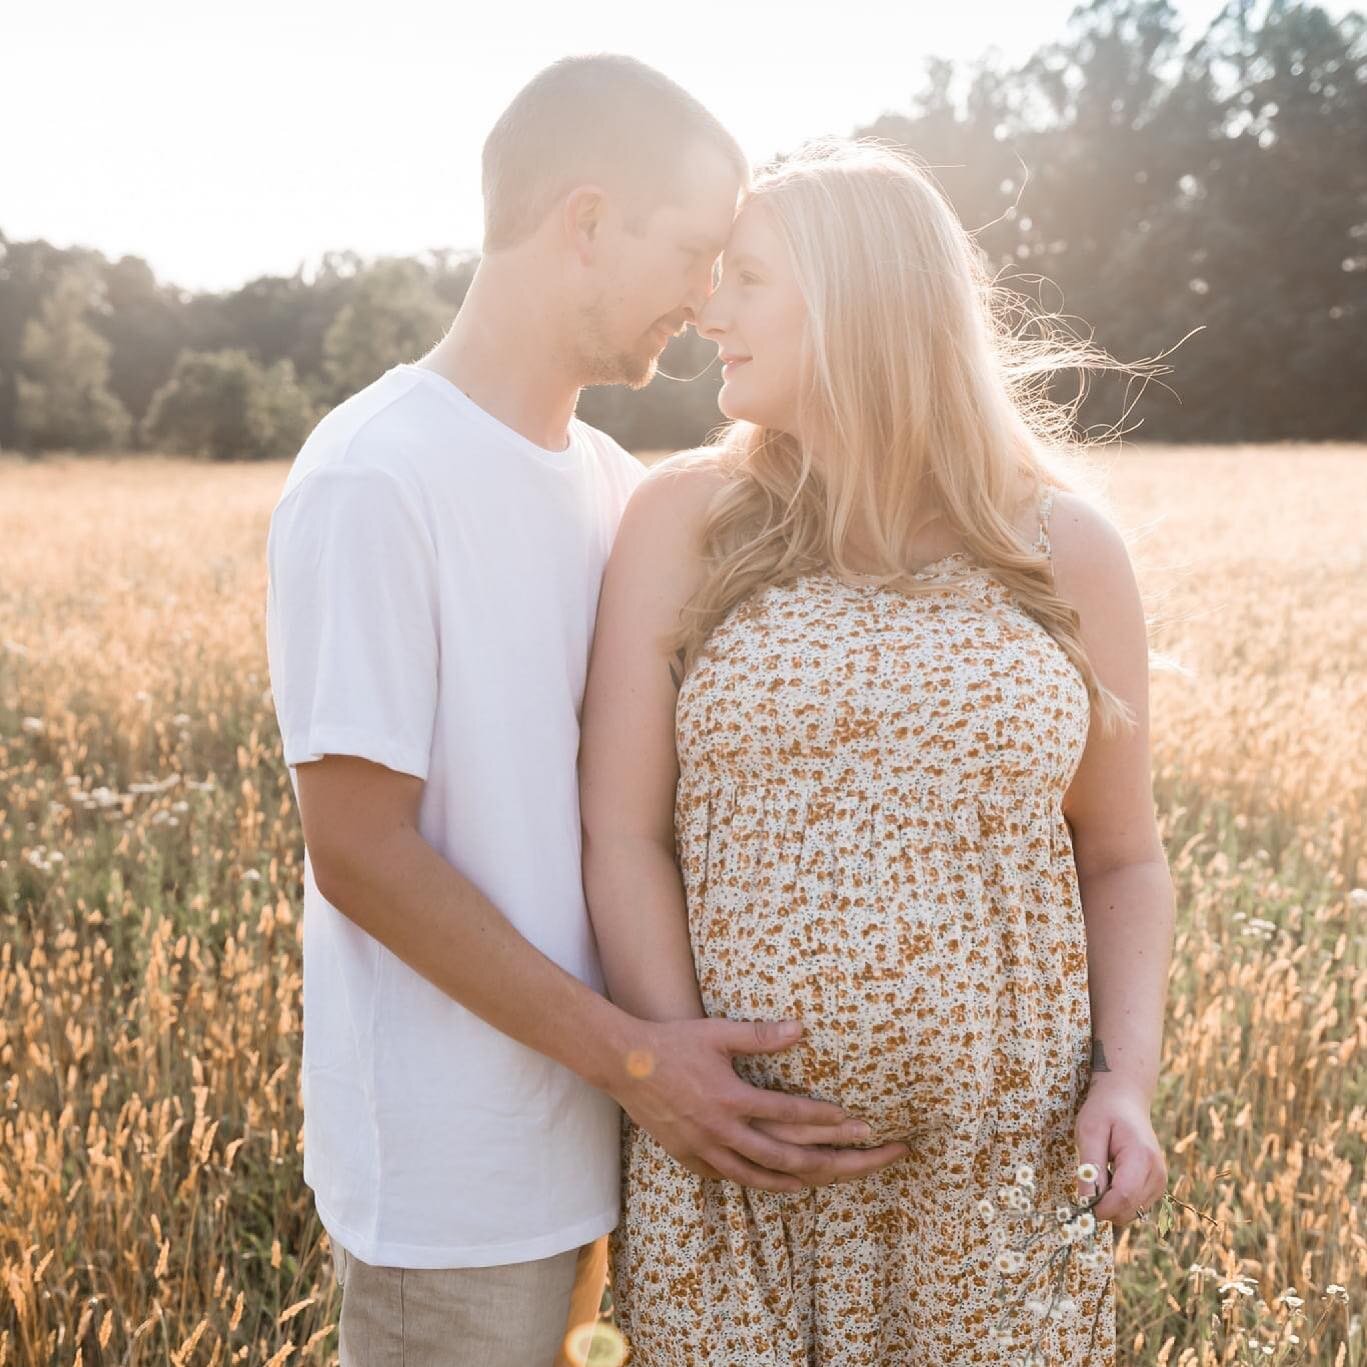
433,584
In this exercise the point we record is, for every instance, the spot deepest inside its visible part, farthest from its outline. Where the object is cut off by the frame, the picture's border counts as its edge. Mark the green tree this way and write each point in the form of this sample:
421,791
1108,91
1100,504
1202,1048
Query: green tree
63,396
223,405
393,315
145,326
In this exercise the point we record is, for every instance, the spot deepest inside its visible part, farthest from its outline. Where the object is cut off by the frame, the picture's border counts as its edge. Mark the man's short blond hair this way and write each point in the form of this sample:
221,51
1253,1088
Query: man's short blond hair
603,119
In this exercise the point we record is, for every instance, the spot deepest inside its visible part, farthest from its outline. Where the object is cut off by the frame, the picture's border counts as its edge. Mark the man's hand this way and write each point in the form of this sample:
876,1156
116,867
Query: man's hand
679,1085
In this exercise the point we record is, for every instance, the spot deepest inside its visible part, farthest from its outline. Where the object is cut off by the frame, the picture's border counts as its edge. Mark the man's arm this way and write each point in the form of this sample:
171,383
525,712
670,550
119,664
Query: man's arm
674,1078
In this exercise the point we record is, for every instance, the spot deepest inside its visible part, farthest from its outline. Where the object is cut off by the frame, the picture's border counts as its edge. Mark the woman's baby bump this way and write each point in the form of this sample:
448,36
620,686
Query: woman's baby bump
902,1042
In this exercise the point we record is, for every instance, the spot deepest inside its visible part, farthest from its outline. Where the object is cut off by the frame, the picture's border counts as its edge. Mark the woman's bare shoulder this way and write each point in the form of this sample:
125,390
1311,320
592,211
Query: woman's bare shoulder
678,491
698,472
1082,536
661,533
1092,568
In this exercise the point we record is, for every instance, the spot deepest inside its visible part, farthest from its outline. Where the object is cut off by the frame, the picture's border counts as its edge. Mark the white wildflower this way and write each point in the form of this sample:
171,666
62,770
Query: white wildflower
33,725
985,1207
1087,1172
1025,1175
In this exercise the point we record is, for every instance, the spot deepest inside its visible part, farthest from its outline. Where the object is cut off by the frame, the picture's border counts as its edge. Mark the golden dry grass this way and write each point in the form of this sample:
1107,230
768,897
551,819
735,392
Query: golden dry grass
152,1207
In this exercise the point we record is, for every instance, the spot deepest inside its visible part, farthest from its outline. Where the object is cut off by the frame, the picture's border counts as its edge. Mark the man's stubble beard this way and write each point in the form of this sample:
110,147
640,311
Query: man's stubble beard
603,364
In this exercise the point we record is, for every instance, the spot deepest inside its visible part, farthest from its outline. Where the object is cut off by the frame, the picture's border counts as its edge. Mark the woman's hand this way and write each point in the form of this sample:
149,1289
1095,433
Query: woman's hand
1113,1127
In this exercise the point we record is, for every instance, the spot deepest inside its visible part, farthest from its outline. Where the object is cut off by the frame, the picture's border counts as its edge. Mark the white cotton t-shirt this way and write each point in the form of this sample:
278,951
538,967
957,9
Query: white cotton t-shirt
433,583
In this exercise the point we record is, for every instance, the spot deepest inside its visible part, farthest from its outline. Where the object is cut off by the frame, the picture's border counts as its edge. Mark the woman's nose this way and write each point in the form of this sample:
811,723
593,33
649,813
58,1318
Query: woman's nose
709,320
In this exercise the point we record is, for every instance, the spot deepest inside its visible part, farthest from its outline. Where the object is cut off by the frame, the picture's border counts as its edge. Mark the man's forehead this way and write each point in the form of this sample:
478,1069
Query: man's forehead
708,196
706,226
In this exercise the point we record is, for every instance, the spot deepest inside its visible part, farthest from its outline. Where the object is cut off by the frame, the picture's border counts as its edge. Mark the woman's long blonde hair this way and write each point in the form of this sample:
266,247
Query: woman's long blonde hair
926,379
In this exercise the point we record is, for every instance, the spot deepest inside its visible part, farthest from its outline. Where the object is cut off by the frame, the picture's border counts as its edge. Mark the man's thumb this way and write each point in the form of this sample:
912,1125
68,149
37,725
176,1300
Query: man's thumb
762,1037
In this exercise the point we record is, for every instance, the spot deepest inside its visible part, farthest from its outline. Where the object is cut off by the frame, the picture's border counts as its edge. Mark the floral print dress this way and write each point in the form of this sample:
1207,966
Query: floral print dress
870,830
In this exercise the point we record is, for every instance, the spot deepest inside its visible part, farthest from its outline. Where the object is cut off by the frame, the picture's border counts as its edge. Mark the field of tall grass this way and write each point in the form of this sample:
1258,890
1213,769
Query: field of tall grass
152,1207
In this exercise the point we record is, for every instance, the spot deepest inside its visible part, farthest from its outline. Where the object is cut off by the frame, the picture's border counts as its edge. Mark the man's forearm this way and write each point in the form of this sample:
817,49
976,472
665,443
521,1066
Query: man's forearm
424,911
636,904
1129,916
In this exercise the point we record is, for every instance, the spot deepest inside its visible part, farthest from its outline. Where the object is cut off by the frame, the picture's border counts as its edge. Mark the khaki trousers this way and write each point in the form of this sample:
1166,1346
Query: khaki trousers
517,1315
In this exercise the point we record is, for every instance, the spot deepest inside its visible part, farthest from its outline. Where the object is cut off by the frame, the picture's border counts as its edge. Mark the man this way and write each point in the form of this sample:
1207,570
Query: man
434,563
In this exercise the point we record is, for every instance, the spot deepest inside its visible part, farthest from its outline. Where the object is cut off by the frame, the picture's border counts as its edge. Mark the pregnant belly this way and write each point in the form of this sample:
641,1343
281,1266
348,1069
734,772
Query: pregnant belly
899,1024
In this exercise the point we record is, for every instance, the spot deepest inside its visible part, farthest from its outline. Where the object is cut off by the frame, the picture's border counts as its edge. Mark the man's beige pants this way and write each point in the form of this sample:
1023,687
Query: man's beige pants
512,1316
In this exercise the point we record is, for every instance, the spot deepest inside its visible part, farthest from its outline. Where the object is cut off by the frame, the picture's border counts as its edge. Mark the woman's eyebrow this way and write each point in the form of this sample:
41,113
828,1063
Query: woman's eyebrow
743,259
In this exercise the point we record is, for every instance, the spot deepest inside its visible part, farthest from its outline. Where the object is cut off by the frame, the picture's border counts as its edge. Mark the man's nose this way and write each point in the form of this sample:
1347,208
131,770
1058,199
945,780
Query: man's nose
697,300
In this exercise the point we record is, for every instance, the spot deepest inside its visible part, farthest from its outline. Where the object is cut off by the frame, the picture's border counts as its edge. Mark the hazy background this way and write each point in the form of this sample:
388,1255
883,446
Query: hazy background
223,142
218,222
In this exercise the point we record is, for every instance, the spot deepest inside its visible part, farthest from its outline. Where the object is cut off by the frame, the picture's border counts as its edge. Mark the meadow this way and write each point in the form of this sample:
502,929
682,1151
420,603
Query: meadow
152,1207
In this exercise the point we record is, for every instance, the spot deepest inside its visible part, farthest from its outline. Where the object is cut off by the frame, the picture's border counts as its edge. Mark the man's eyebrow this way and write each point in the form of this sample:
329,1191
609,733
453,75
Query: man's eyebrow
705,247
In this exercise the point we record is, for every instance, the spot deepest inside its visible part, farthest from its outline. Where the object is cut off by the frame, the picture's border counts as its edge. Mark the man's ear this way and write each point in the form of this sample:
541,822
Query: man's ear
584,211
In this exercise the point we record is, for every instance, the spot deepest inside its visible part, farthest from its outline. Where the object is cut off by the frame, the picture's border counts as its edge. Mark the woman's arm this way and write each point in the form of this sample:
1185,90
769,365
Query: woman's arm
1127,897
712,1121
627,763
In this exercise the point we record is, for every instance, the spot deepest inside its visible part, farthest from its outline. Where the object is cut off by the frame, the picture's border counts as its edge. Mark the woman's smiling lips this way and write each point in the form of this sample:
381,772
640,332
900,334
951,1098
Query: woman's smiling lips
729,363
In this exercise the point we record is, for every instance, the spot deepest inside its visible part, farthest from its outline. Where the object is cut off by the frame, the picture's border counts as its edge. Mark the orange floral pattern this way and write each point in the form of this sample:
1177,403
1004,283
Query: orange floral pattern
870,830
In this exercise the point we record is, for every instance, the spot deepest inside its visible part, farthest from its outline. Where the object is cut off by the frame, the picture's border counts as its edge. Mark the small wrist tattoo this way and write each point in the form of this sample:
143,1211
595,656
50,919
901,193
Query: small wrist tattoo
1099,1064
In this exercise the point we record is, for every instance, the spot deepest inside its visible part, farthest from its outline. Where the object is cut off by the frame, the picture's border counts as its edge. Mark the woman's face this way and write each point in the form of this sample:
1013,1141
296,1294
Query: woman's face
758,320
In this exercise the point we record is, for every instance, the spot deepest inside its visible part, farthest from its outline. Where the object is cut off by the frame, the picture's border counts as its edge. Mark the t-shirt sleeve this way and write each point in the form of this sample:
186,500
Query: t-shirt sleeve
352,621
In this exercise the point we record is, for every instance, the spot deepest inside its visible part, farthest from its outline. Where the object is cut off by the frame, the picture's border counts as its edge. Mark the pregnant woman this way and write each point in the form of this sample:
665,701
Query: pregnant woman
865,745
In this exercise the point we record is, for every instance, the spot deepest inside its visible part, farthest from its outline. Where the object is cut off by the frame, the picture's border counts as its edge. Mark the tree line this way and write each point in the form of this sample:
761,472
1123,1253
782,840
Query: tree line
1149,189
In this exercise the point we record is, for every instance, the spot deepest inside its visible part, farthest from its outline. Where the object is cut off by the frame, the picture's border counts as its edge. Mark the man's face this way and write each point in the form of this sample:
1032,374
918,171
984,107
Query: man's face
655,274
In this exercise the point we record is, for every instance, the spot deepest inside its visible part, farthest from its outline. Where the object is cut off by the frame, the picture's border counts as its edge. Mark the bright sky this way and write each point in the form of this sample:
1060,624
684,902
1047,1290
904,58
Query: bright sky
221,141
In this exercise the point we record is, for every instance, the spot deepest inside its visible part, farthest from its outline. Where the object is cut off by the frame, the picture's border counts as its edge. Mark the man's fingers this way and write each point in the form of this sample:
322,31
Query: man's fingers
700,1168
759,1104
735,1167
849,1165
758,1037
846,1132
758,1148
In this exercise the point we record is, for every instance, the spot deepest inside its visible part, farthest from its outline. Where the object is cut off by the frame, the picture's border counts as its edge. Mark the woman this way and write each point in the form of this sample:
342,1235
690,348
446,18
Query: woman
901,792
